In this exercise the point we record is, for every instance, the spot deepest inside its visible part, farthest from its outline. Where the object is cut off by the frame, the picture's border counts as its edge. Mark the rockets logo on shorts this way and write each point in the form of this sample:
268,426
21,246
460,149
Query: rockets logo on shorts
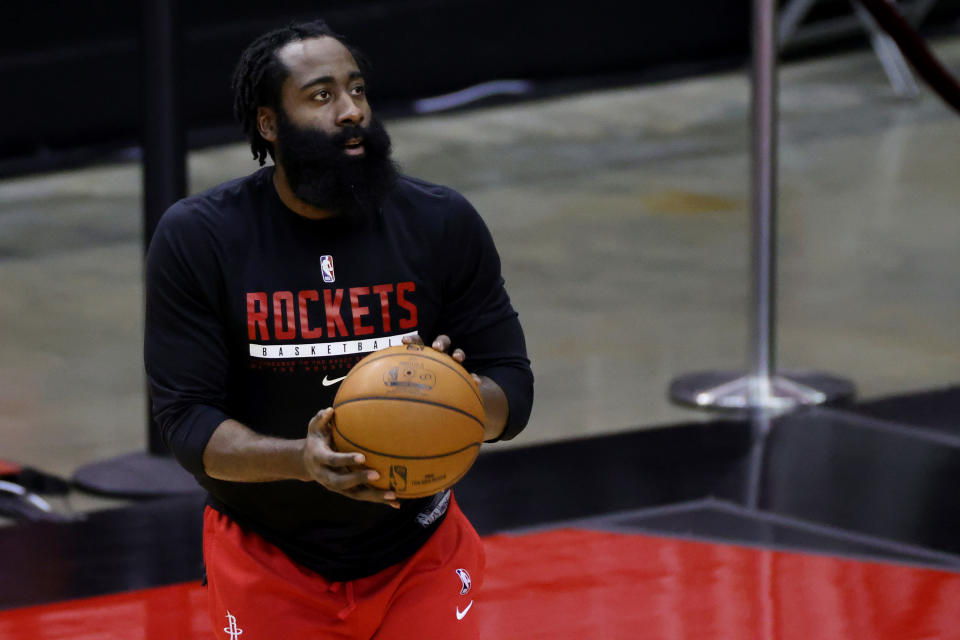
232,629
465,581
326,268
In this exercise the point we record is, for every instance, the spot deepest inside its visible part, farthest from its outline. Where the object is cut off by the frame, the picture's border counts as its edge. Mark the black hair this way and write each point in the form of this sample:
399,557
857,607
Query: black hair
260,74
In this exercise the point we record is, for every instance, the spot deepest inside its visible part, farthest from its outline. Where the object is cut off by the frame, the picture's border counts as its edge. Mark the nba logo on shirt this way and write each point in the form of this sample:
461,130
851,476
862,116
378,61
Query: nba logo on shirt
326,267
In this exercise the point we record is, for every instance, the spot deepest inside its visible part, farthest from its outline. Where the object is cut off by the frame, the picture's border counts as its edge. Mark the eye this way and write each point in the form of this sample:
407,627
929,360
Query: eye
359,90
322,95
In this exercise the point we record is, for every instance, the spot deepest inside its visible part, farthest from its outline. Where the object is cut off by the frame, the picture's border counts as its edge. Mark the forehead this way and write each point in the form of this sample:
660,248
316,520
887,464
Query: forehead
316,57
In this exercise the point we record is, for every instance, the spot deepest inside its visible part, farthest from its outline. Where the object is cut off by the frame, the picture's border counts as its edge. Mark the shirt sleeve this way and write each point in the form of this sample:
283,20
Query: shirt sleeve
477,313
185,350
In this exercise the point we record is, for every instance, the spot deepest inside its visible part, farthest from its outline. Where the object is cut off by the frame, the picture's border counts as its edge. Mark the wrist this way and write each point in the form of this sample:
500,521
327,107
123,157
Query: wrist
495,407
298,461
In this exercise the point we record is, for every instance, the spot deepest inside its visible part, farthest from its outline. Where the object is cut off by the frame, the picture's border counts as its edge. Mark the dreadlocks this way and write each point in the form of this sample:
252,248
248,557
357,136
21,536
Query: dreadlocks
260,74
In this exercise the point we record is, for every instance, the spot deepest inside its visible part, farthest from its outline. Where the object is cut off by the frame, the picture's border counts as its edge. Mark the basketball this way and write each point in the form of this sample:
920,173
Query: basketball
415,414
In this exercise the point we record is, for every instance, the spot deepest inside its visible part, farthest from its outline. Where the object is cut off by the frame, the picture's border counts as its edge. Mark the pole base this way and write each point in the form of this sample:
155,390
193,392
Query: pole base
736,391
136,476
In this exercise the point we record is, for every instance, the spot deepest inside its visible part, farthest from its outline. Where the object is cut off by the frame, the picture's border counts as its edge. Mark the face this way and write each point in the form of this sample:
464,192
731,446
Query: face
325,90
335,156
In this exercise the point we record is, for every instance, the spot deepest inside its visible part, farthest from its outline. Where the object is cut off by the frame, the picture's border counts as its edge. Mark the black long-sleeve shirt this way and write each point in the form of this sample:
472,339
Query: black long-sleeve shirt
253,311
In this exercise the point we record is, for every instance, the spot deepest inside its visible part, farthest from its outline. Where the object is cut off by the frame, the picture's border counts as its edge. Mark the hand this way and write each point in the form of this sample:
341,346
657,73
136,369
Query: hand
337,471
495,405
441,343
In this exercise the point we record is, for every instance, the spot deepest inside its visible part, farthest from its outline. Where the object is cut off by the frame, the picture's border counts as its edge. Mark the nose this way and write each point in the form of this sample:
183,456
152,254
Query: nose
350,112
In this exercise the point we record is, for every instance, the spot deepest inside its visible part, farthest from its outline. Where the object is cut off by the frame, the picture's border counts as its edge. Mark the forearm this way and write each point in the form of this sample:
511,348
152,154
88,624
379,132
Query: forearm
239,454
495,406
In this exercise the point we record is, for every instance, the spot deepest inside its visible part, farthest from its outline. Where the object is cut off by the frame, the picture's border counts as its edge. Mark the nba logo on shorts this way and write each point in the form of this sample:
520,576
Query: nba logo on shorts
326,267
464,581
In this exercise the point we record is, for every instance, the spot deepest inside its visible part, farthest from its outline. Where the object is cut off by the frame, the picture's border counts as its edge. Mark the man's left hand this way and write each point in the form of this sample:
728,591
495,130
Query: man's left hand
494,400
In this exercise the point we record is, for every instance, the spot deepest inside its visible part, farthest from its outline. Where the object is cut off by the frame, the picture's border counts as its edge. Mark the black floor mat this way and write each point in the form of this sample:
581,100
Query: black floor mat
938,409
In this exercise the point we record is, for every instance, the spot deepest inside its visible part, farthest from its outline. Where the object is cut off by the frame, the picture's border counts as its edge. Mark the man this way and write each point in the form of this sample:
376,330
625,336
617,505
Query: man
261,294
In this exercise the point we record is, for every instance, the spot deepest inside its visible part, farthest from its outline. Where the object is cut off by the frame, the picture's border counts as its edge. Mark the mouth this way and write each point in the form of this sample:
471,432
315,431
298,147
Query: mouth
353,147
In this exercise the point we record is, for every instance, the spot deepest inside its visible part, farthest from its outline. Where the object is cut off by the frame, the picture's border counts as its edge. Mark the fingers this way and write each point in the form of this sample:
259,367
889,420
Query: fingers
343,480
371,494
353,484
337,471
441,343
321,423
320,445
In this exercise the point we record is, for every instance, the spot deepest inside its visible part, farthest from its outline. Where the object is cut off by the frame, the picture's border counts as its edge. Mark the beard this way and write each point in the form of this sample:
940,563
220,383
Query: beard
321,174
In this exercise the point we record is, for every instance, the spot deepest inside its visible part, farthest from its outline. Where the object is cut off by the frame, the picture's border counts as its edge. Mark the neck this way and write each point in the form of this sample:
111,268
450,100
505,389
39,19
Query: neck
294,203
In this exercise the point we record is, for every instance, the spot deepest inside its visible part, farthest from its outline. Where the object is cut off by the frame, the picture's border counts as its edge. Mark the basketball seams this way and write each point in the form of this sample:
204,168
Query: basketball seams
460,375
399,457
385,353
435,416
434,403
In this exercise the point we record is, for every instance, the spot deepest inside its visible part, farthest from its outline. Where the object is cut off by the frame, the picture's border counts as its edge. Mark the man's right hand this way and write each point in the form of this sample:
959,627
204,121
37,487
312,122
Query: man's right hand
338,471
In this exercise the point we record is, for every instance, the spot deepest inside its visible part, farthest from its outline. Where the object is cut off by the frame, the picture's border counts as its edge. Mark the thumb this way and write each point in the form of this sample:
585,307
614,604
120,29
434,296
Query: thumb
320,424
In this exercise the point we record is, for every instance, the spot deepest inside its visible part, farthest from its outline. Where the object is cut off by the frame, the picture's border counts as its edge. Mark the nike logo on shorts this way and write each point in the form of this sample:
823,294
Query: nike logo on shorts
461,614
327,382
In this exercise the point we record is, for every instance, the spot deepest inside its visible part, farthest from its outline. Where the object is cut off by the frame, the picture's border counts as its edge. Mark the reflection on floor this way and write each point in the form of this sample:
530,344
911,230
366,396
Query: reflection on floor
574,583
661,518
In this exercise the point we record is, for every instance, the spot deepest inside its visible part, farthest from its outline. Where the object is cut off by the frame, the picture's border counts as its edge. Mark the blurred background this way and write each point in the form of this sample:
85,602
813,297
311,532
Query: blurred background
613,168
607,147
76,88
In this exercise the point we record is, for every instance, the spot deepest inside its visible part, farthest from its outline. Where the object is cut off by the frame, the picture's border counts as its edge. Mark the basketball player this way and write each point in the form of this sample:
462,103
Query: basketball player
261,294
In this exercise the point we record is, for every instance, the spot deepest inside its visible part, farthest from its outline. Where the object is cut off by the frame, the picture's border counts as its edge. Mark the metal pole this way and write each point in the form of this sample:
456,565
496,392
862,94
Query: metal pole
763,190
163,141
163,134
761,387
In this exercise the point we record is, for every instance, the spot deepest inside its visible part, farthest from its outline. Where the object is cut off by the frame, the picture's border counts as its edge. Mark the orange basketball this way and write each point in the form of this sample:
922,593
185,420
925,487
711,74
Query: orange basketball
415,414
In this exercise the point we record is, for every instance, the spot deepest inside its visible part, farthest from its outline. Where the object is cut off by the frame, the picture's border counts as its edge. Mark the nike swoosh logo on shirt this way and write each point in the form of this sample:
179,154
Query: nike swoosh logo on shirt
461,614
327,382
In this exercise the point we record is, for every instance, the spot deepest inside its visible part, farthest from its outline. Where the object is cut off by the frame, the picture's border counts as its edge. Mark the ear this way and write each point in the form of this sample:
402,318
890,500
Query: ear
267,123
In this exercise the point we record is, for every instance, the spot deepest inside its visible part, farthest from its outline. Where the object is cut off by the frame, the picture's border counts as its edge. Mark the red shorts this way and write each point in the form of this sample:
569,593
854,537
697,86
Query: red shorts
258,593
